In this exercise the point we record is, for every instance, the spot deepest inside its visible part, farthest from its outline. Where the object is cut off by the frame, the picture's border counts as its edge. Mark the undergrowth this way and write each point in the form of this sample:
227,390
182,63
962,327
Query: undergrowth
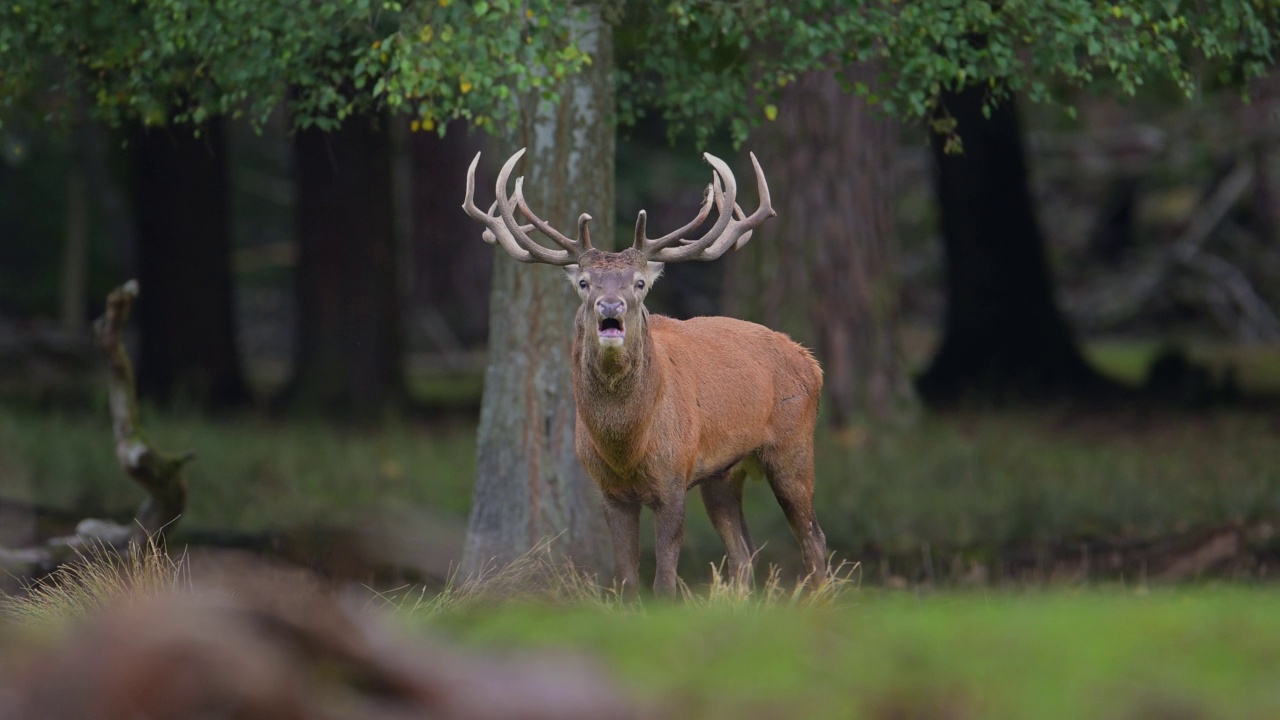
99,577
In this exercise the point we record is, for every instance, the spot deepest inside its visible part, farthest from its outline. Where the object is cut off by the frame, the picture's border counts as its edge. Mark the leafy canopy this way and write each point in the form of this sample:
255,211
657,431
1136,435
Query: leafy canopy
166,61
705,62
701,63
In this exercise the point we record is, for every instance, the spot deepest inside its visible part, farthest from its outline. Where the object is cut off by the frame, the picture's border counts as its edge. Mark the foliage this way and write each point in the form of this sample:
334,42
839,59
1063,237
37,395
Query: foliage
701,63
170,60
706,62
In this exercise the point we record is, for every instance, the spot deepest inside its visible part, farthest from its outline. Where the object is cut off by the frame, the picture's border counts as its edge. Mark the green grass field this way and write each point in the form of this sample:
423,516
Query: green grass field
1111,653
943,493
955,488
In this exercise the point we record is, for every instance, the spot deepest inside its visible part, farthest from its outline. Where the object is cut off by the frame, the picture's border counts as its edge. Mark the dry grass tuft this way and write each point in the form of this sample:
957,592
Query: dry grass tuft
538,576
99,577
837,582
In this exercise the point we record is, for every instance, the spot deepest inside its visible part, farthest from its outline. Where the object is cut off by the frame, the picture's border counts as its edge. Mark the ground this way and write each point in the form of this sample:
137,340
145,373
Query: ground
985,585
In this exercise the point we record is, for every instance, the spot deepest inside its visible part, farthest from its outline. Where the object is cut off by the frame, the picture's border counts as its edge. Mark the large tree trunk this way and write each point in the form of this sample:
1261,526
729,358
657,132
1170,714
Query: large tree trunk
1004,338
831,248
75,254
529,484
452,272
348,355
186,318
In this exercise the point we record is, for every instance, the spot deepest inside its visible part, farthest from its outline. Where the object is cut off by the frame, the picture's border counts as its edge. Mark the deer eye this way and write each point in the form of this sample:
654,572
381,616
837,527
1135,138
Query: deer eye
639,284
582,284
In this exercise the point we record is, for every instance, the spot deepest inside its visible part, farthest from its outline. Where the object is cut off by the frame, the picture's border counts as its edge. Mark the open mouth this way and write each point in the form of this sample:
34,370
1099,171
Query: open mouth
611,329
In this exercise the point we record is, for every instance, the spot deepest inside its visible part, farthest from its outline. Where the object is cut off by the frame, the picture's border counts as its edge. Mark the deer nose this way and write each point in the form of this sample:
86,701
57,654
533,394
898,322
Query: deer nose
610,307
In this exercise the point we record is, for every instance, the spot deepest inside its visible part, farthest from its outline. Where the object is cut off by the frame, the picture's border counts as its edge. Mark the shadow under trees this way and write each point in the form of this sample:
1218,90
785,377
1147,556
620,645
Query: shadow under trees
1004,337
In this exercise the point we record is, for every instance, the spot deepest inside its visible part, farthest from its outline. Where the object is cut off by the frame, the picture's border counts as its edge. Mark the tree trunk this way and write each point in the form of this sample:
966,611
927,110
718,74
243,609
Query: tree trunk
1004,337
188,344
452,272
348,356
831,247
75,258
530,486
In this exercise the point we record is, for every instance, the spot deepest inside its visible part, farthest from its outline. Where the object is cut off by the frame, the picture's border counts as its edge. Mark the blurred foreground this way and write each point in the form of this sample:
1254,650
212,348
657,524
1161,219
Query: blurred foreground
212,637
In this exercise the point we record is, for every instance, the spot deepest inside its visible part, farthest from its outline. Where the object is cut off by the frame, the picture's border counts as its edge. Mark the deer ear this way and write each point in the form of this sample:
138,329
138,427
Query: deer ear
654,271
571,272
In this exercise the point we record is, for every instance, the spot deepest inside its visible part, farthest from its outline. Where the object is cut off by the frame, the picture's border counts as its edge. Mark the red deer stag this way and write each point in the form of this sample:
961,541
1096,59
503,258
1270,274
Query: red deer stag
663,404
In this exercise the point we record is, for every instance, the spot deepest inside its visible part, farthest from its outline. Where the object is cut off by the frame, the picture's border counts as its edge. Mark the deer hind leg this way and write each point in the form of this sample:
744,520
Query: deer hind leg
722,496
790,474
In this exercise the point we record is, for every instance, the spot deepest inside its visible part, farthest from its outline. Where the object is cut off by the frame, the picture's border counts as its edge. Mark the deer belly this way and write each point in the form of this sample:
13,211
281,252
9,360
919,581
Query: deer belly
748,465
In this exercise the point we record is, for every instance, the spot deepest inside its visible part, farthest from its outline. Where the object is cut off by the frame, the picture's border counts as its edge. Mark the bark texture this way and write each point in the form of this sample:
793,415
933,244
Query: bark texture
1004,337
529,483
348,360
188,346
824,269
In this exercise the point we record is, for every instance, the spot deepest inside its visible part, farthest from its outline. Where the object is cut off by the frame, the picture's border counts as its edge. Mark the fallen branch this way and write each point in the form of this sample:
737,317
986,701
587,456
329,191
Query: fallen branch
1135,290
160,474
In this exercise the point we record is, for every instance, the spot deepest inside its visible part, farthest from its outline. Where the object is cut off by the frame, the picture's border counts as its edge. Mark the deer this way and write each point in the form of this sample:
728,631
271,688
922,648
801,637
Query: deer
664,405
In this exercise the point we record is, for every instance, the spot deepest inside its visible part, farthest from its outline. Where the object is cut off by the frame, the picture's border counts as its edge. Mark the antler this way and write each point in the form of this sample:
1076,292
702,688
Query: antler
502,228
732,228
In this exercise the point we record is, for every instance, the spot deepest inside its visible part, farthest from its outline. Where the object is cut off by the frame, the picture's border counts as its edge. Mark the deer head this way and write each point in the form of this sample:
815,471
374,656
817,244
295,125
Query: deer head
613,285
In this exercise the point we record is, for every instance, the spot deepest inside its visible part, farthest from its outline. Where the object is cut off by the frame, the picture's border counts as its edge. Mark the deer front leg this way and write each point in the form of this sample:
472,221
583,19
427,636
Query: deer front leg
668,516
623,519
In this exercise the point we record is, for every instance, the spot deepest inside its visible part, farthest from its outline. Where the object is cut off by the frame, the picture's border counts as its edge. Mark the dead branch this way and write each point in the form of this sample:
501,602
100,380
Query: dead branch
160,474
1126,297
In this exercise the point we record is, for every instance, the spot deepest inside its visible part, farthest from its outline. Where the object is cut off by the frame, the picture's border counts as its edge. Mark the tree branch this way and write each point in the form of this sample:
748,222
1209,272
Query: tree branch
160,474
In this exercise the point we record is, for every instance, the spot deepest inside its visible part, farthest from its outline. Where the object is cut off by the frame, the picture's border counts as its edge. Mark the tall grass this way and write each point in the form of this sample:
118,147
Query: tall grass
98,578
539,575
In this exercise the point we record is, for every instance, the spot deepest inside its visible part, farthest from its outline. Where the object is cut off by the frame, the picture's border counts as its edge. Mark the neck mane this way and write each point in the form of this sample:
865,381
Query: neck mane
615,390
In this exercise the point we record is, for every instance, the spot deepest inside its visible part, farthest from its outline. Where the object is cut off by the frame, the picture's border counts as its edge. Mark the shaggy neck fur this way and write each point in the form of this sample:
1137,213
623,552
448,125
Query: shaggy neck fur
615,389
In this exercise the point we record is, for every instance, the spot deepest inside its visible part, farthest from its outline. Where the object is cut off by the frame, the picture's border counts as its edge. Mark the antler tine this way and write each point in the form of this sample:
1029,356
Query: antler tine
495,231
503,228
647,245
732,229
740,229
575,248
488,235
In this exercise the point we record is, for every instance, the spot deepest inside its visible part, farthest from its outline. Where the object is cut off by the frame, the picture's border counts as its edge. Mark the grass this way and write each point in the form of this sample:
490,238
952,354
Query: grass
249,474
1209,652
953,488
1110,652
96,579
965,485
1256,368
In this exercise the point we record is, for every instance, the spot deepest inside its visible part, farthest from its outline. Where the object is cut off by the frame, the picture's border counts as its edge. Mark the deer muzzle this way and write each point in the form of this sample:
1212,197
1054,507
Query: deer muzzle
610,328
